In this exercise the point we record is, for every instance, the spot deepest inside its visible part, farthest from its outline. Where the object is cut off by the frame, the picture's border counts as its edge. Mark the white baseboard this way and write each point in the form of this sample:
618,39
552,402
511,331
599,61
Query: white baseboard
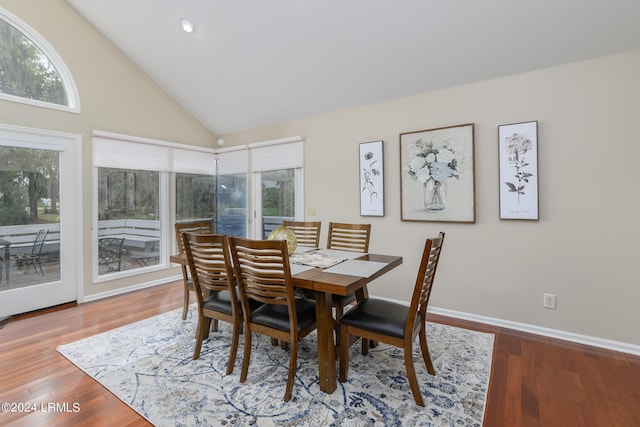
524,327
538,330
120,291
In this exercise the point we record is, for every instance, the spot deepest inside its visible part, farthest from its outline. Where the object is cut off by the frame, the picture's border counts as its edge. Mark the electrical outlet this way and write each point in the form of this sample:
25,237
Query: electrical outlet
311,211
550,301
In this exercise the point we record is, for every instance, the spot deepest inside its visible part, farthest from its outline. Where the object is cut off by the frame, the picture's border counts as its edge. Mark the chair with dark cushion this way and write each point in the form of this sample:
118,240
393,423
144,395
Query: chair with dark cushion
347,237
393,323
307,232
212,275
262,272
204,226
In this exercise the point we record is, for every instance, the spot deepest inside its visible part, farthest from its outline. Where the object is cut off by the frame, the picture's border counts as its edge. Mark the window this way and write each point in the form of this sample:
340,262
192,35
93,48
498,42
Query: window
30,69
134,223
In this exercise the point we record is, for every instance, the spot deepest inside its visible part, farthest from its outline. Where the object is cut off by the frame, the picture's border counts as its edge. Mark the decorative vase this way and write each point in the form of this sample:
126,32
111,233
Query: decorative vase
283,233
434,197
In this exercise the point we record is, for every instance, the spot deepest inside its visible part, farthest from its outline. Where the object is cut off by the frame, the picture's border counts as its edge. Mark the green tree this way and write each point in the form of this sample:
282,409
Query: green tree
25,71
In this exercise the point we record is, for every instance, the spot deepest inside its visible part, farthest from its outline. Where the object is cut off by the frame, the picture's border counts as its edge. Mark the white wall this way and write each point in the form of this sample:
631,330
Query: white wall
583,248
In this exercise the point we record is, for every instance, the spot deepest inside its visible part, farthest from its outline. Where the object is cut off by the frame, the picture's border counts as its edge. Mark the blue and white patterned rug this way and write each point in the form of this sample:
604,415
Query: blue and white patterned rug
148,365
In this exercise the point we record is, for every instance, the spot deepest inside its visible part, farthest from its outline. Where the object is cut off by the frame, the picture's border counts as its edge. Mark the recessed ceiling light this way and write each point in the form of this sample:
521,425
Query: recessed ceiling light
187,26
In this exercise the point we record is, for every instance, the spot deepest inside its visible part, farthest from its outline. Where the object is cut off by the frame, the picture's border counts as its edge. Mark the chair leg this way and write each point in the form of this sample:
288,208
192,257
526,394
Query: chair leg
206,325
411,375
344,353
424,347
247,353
234,346
214,325
185,309
293,364
199,338
365,346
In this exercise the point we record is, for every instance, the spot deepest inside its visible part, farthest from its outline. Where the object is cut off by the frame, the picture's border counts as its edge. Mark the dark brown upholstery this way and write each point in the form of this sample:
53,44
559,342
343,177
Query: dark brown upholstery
204,226
393,323
263,274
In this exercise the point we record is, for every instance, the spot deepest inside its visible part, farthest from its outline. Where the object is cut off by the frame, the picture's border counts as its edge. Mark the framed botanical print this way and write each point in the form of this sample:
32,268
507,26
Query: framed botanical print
371,179
438,174
518,165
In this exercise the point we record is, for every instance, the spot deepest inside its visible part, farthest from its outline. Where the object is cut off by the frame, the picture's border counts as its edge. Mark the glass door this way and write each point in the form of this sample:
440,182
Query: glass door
277,198
38,212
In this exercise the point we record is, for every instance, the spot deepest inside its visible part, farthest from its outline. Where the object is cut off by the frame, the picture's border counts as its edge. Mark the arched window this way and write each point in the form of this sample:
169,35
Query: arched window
31,71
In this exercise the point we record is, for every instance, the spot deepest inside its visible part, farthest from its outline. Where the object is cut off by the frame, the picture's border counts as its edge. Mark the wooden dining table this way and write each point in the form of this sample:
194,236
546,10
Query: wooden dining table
324,284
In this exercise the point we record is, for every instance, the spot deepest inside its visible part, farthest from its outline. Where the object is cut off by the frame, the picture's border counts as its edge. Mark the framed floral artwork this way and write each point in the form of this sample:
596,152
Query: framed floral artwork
371,179
518,164
438,174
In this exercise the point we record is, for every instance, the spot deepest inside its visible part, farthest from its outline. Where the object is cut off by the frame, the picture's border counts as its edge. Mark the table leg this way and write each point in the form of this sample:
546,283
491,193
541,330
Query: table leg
326,345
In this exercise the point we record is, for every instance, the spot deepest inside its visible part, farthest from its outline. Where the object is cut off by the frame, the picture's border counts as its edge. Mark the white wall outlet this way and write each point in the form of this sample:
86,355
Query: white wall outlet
311,211
550,301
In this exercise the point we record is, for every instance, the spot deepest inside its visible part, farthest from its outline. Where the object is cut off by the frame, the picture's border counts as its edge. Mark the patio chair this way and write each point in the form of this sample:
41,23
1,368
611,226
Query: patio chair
110,253
36,252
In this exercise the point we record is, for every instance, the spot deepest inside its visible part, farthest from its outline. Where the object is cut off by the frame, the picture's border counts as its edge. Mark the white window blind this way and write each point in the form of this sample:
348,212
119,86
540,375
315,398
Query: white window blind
287,153
124,152
233,162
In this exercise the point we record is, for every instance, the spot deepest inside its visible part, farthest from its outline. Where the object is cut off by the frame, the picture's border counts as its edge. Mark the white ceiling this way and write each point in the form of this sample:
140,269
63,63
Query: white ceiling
257,62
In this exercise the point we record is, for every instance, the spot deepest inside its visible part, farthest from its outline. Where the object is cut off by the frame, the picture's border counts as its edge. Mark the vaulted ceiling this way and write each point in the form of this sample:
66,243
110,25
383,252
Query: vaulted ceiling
256,62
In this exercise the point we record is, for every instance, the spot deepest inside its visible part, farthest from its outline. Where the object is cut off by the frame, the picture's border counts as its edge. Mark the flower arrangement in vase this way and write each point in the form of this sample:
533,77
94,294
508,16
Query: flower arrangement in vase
432,165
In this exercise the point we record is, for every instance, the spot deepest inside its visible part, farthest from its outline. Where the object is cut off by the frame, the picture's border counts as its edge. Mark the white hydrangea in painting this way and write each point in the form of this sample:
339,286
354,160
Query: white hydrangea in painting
432,165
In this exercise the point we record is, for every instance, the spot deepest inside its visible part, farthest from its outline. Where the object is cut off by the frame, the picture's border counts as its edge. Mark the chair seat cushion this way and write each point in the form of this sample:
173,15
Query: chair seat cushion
277,315
221,301
379,316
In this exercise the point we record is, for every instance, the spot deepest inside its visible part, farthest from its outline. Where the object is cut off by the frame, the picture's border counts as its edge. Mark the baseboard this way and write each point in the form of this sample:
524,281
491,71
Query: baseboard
538,330
120,291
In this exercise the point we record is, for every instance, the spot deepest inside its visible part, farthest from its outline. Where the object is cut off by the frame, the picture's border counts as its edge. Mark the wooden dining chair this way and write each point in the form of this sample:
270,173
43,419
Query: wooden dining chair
307,232
347,237
393,323
211,269
204,226
263,274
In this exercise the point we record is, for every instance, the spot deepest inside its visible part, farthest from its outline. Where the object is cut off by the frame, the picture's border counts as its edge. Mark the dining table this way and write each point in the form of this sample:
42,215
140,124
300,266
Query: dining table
349,275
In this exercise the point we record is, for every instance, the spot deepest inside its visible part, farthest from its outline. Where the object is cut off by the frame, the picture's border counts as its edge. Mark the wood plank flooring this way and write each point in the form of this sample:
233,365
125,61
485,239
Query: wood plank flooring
535,381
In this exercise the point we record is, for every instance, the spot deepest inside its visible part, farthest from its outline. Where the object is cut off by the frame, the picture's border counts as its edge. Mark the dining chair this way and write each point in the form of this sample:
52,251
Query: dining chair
307,232
263,274
393,323
211,269
203,226
36,252
347,237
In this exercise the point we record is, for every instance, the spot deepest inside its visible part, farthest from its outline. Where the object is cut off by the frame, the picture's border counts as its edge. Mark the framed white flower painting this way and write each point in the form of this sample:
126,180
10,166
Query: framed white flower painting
438,175
371,179
518,151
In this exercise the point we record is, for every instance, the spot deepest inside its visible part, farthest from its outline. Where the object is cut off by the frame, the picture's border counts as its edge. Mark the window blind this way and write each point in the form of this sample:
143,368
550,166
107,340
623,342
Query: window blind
123,152
287,153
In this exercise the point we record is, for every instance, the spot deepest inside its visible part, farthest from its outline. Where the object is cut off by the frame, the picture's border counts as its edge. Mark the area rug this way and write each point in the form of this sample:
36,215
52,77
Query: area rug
148,365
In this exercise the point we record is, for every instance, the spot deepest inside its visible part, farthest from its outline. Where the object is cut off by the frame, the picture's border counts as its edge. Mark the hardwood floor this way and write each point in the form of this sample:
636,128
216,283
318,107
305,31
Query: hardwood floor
535,381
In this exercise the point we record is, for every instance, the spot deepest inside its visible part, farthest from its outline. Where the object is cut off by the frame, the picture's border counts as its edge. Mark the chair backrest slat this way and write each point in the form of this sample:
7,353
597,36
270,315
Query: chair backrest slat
202,226
209,261
262,270
349,237
307,232
425,278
